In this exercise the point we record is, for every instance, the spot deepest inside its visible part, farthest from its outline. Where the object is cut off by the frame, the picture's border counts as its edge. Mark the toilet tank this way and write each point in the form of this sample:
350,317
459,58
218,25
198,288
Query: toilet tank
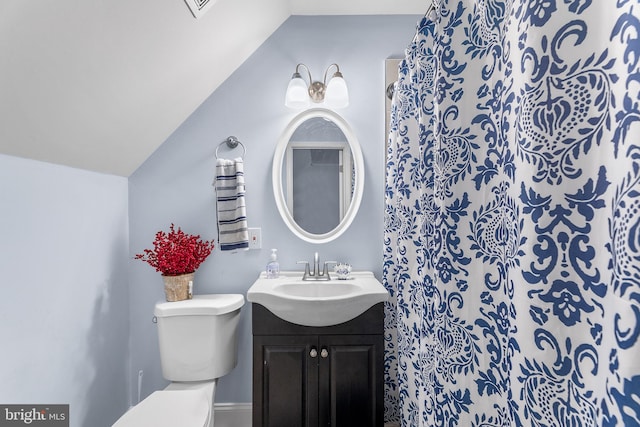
198,337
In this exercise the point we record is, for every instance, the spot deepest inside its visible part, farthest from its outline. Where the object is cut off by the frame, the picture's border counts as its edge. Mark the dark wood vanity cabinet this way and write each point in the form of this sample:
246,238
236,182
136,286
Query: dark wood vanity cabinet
318,376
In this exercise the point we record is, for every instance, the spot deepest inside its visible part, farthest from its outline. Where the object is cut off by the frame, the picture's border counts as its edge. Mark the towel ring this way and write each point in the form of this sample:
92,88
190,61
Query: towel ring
232,142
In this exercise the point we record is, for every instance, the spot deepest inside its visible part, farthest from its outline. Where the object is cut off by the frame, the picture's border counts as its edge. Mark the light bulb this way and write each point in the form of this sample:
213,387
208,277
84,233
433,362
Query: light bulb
337,94
297,93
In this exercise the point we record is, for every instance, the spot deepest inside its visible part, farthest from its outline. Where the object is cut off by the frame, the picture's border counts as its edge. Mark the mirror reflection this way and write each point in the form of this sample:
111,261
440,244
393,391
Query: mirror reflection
318,175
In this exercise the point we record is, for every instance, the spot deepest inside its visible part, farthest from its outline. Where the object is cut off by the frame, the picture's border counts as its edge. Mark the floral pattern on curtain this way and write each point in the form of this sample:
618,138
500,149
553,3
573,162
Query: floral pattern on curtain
512,218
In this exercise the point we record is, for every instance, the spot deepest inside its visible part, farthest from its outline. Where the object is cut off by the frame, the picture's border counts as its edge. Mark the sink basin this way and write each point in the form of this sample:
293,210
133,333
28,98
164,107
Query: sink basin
315,289
317,303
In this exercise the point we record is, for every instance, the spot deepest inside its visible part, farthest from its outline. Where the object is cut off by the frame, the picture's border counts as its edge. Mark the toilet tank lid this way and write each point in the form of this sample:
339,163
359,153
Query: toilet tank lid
200,305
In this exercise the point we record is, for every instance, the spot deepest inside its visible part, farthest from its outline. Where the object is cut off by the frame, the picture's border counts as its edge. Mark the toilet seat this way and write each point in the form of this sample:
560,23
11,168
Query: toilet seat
170,408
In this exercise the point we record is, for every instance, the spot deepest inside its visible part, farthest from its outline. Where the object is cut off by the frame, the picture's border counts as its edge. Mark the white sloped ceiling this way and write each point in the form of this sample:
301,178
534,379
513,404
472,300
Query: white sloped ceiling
100,84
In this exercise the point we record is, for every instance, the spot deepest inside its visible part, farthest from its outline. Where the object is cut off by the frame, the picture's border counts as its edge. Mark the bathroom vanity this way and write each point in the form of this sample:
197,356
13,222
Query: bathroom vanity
318,375
318,341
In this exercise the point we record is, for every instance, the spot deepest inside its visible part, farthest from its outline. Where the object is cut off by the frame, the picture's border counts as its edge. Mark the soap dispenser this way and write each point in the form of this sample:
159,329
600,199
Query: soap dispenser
273,268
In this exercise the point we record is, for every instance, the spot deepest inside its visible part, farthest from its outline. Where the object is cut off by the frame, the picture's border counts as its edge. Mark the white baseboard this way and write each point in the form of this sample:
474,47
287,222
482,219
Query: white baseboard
232,414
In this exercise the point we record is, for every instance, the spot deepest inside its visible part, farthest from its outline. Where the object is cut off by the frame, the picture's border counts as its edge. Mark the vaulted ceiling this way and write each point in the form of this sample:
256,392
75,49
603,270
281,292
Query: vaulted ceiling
100,84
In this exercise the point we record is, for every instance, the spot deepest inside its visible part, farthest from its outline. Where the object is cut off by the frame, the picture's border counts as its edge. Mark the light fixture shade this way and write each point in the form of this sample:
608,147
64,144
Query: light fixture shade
337,94
297,93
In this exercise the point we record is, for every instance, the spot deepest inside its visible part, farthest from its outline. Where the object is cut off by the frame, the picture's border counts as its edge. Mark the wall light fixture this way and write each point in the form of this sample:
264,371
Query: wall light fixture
333,93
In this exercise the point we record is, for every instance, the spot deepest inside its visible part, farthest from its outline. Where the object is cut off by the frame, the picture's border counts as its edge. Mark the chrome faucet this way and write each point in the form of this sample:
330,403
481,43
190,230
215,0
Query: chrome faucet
317,274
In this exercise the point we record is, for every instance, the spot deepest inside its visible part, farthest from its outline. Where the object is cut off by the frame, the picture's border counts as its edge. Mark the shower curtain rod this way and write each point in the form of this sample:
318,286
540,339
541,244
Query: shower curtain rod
431,7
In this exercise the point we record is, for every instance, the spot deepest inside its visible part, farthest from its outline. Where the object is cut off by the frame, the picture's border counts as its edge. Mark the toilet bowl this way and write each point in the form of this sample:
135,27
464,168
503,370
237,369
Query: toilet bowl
198,345
192,407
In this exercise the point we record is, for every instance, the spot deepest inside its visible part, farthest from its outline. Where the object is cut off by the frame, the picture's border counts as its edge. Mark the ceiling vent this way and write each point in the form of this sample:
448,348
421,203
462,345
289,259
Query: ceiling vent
199,7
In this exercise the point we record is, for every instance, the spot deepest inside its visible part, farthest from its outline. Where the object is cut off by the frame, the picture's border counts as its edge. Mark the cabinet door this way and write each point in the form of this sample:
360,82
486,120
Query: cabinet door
351,381
285,381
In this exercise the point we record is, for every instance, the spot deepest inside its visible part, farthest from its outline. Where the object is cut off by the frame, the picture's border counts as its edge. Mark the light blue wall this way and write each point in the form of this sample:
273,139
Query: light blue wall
174,185
64,301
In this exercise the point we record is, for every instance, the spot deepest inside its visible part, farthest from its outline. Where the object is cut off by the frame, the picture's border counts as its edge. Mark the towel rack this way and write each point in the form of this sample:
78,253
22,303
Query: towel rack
232,142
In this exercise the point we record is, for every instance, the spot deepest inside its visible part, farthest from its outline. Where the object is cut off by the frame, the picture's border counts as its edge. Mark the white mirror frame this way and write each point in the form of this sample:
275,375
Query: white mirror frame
276,175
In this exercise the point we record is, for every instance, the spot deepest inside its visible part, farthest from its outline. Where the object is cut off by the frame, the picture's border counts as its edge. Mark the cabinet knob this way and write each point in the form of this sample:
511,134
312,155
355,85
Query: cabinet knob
324,353
313,352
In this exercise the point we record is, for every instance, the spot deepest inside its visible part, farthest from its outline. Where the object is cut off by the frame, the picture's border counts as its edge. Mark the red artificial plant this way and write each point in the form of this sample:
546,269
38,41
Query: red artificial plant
176,252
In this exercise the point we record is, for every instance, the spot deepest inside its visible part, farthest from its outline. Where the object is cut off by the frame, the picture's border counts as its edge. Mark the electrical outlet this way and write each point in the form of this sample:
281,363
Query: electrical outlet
255,238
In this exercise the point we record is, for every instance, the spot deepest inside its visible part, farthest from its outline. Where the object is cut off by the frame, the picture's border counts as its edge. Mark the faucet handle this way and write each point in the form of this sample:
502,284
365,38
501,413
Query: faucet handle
325,270
307,272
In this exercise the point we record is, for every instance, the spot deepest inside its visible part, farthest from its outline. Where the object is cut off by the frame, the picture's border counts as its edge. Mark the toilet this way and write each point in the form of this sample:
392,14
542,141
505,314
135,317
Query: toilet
198,345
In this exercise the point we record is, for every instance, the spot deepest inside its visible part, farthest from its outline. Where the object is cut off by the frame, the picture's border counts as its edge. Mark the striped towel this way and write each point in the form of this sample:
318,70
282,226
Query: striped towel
231,210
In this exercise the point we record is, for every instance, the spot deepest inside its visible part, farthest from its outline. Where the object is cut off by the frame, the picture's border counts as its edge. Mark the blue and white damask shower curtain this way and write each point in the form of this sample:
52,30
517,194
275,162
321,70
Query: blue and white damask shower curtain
512,225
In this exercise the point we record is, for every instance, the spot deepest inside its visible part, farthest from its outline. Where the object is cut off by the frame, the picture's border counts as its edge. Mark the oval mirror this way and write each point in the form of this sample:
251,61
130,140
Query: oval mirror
318,175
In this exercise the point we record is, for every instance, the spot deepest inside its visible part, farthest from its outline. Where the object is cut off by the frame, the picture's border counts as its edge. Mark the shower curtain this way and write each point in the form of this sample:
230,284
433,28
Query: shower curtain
512,217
